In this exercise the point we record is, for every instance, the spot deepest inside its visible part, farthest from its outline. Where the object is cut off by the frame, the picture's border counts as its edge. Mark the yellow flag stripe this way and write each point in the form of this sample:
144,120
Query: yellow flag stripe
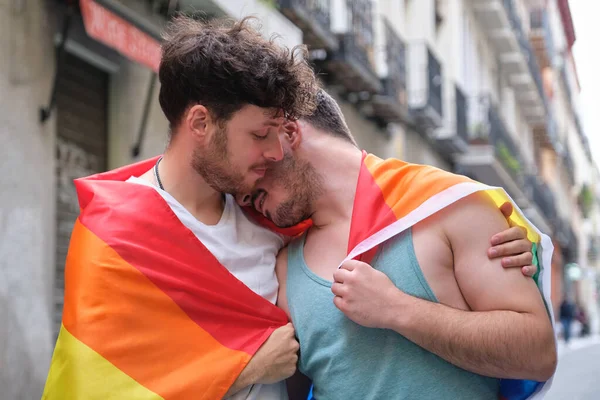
79,373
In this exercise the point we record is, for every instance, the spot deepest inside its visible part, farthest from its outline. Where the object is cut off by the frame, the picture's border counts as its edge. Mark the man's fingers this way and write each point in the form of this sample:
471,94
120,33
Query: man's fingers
338,289
339,303
508,235
529,270
522,260
350,265
513,248
506,209
340,275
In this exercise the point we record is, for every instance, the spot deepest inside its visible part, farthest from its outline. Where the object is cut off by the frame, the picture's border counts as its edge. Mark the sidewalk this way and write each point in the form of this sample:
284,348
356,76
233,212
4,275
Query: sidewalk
577,344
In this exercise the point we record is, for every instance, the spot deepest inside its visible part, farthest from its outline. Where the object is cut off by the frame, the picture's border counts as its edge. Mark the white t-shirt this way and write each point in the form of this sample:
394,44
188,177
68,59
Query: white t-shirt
248,251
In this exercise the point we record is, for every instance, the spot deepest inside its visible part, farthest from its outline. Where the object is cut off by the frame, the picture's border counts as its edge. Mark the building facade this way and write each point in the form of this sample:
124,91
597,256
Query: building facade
486,88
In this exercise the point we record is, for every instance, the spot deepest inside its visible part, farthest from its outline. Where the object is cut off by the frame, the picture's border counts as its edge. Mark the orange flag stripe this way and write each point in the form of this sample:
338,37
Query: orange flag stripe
396,178
125,310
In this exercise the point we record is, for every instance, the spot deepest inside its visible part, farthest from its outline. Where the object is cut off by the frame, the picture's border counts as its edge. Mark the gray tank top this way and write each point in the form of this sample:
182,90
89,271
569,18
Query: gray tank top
347,361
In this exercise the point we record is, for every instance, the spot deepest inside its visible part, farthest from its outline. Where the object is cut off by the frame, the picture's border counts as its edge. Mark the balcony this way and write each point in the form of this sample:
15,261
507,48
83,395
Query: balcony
546,135
567,239
453,137
540,37
492,156
313,17
424,86
568,164
352,64
502,23
392,104
542,208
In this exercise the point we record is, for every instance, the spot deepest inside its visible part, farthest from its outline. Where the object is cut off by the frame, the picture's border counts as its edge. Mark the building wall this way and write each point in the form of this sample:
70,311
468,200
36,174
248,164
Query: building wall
128,91
26,200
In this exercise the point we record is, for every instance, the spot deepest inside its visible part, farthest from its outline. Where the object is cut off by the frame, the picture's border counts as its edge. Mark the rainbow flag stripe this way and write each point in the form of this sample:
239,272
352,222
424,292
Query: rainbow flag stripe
149,312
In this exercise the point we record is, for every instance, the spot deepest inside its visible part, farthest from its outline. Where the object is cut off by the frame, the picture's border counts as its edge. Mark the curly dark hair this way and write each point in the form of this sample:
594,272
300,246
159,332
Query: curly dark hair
226,64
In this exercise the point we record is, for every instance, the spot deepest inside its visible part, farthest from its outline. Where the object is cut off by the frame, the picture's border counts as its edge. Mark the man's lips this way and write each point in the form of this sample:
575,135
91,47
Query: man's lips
260,171
259,201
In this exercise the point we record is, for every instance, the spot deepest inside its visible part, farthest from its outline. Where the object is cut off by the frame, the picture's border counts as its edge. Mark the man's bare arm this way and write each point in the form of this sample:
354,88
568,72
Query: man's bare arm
277,358
508,334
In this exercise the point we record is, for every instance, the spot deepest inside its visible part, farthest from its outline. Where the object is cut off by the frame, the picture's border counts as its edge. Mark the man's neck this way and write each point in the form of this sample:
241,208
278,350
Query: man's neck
179,179
340,165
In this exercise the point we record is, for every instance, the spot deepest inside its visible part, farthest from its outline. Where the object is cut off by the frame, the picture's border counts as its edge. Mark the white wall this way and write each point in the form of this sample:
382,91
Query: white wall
128,91
272,21
27,200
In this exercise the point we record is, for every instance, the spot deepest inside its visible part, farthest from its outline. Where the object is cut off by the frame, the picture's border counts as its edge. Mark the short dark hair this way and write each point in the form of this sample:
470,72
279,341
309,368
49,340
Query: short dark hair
328,117
226,64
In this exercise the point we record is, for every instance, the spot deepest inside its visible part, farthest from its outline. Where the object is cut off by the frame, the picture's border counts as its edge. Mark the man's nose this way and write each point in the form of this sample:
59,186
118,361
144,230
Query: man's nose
244,200
274,150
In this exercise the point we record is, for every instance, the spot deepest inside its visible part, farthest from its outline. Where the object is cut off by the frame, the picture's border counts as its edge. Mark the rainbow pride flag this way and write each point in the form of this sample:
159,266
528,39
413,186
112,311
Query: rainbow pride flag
392,196
149,312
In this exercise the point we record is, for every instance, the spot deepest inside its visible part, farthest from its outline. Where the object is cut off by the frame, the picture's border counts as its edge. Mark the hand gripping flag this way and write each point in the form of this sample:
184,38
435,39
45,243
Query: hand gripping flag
149,312
392,196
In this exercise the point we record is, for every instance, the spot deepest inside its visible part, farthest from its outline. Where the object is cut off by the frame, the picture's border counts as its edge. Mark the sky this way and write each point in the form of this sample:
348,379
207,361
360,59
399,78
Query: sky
586,52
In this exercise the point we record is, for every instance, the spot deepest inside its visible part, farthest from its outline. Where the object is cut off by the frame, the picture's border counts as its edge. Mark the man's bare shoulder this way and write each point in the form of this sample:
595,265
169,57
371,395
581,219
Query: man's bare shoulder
478,204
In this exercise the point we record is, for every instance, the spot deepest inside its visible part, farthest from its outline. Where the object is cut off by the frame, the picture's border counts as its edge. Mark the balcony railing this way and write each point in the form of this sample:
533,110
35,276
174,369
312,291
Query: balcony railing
425,86
392,104
540,25
568,164
462,126
314,18
396,63
352,63
525,46
360,39
542,196
434,75
487,127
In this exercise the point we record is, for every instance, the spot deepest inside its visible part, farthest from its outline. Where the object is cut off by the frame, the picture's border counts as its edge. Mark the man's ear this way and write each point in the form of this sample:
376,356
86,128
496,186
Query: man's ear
292,133
197,120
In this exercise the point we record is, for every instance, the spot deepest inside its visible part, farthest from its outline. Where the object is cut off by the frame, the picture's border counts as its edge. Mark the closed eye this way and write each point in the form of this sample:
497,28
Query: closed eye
260,135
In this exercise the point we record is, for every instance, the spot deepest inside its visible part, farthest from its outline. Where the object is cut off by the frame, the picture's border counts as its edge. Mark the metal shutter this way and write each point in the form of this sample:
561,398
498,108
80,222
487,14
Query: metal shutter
81,150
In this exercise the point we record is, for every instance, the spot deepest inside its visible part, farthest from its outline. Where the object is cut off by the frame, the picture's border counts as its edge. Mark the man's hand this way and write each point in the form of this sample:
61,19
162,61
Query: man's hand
364,294
278,356
512,245
275,361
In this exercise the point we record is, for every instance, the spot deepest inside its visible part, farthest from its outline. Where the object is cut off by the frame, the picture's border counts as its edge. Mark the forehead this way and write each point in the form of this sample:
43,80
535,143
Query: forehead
258,117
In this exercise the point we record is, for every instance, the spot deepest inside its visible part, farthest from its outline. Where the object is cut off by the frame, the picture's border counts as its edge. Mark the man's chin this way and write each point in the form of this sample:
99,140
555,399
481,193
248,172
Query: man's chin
286,224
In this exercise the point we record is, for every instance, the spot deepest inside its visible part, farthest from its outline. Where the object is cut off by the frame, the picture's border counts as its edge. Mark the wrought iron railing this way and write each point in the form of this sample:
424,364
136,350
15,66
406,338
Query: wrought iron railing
568,164
358,43
542,195
525,46
318,10
396,62
487,126
538,21
434,76
462,128
506,150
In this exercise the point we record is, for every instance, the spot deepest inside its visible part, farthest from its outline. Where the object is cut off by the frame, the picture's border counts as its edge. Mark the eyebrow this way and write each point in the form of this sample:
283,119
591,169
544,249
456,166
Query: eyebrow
272,123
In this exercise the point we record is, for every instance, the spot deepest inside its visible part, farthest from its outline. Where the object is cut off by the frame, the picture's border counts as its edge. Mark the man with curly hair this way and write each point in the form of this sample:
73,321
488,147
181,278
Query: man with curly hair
226,92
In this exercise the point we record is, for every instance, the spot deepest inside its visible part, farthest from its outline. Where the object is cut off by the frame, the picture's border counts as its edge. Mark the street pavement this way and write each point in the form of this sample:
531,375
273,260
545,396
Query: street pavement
578,373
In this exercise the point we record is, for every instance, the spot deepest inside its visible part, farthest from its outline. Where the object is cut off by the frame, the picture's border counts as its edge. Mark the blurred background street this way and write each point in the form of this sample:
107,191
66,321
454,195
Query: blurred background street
503,91
577,374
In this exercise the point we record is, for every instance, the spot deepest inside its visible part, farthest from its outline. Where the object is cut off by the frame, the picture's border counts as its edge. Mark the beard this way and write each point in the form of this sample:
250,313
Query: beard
214,165
303,184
